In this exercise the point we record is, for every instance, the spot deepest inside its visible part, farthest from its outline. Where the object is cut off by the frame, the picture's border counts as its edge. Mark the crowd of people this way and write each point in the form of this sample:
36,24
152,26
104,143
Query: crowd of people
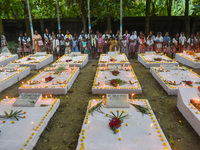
97,43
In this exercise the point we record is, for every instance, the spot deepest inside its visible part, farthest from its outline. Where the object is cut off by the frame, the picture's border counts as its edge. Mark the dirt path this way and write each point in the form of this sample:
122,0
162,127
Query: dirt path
62,130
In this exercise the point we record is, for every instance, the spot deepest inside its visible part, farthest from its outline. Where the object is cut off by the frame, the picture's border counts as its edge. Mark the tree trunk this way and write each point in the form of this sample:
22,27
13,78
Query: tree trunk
26,20
169,9
108,22
147,19
187,19
1,27
83,11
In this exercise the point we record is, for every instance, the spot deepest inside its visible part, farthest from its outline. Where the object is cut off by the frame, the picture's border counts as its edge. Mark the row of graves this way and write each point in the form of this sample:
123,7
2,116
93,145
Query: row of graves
176,80
23,119
118,121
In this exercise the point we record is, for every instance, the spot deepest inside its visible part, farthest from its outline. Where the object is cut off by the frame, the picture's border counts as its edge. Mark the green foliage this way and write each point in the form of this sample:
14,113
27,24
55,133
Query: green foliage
12,46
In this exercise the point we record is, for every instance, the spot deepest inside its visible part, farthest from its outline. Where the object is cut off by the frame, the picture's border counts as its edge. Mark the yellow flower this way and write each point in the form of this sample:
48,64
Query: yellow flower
119,138
118,130
111,111
123,111
13,121
126,124
117,110
106,115
180,121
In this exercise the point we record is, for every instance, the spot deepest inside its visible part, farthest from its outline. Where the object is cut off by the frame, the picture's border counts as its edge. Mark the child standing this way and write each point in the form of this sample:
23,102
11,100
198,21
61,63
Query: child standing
191,43
159,43
166,43
62,46
112,44
67,46
133,43
93,45
150,43
106,45
47,37
175,48
182,42
75,44
142,42
21,44
100,43
124,46
84,46
27,44
56,47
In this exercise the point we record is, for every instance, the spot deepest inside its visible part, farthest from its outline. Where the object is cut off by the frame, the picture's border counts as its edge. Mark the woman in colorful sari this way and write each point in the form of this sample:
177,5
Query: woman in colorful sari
37,37
142,42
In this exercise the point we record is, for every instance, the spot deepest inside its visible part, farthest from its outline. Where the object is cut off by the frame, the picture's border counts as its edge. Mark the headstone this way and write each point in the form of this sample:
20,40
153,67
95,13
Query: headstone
114,67
117,101
75,53
11,66
113,53
150,53
169,66
27,100
40,53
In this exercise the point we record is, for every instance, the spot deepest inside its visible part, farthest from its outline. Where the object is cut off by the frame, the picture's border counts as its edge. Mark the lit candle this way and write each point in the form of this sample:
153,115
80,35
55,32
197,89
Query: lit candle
6,97
151,128
51,96
88,124
132,95
103,97
33,125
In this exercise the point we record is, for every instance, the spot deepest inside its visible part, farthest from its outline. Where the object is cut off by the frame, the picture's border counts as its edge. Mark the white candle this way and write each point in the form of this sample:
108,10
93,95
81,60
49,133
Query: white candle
88,124
33,125
132,95
151,128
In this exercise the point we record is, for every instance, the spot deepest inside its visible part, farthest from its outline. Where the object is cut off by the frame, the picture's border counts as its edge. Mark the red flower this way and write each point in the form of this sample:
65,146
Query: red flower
113,82
48,79
28,58
68,60
188,83
115,73
115,123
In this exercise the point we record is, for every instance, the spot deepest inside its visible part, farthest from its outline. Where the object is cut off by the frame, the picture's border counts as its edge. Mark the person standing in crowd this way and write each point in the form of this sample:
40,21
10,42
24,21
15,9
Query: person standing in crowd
141,42
68,36
111,33
119,34
76,36
56,47
182,42
51,42
3,42
89,40
37,40
127,36
118,44
166,43
47,38
106,34
191,43
68,46
124,46
27,44
81,38
133,44
159,43
150,43
100,43
84,46
93,45
62,46
106,45
197,44
175,48
97,34
112,44
152,38
21,45
59,35
75,44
